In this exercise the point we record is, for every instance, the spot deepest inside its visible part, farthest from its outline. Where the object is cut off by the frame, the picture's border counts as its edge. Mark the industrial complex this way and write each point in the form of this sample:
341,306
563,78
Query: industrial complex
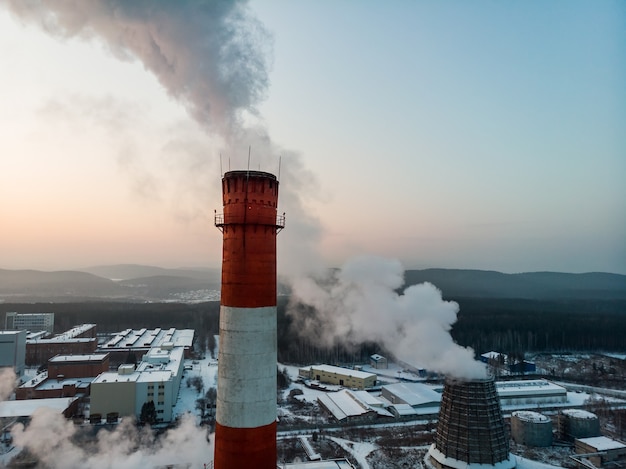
140,374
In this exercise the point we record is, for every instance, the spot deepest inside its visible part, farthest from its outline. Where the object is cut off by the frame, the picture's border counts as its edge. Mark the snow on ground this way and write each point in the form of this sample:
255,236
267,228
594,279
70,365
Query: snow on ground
359,451
187,396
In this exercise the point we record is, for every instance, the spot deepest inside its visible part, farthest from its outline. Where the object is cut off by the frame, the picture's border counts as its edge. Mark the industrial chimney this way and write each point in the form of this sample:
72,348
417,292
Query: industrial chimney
245,433
470,431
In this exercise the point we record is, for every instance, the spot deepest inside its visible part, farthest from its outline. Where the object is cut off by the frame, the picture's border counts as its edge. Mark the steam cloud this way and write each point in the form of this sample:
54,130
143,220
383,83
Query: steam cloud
49,437
8,381
212,56
361,304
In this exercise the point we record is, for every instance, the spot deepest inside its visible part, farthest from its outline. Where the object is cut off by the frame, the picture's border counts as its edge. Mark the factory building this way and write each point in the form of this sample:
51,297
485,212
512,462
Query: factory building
353,379
67,376
531,392
80,340
29,321
416,395
13,350
344,406
353,406
124,392
600,451
245,432
140,341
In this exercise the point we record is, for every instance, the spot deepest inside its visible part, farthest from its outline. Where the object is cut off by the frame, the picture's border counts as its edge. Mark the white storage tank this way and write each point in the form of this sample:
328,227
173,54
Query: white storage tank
531,428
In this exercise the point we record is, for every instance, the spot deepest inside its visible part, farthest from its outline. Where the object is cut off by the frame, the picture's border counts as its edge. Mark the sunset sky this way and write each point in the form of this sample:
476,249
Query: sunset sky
487,135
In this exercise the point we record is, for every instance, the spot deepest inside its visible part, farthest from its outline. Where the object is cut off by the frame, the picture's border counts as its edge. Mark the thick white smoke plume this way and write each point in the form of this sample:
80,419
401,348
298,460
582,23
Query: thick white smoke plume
361,303
212,56
49,436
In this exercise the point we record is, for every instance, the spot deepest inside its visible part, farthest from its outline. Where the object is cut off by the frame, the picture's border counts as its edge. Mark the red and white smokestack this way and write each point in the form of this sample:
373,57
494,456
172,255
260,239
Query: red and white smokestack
245,433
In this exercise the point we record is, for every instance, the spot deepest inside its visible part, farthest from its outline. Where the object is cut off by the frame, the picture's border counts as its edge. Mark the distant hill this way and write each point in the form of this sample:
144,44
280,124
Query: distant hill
154,284
133,271
37,284
456,283
147,283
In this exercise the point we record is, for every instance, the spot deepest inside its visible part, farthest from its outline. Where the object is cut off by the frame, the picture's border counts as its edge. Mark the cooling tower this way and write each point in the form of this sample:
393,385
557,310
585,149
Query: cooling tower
471,429
245,433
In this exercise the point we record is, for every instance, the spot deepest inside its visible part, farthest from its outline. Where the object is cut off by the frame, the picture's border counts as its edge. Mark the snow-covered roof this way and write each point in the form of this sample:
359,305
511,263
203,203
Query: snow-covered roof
333,464
376,357
94,357
523,387
343,371
493,355
414,394
343,404
530,416
403,409
602,443
49,384
163,365
130,339
367,398
26,407
579,414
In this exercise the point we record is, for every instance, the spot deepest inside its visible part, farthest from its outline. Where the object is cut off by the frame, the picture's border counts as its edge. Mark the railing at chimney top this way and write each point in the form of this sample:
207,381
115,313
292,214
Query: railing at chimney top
279,223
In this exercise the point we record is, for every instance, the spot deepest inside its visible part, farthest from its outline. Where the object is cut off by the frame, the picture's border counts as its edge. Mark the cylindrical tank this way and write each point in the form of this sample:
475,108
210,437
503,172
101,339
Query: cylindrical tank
531,428
245,433
471,429
577,423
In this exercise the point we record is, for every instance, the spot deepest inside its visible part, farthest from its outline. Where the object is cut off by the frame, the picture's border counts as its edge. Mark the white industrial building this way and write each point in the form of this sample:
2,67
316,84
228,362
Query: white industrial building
534,391
139,341
13,350
157,378
416,395
336,375
348,406
29,321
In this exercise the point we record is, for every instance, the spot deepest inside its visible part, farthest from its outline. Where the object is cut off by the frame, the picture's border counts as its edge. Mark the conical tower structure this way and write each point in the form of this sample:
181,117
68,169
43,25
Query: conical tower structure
471,430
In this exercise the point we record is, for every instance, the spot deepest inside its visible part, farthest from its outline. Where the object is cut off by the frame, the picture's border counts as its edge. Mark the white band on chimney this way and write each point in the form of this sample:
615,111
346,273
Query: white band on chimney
246,393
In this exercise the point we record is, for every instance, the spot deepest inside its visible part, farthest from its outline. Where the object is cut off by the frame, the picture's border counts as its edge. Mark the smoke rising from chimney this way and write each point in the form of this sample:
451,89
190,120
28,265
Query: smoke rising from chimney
211,56
361,303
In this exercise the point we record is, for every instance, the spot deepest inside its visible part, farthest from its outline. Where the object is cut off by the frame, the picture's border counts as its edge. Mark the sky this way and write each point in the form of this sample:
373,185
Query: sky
485,135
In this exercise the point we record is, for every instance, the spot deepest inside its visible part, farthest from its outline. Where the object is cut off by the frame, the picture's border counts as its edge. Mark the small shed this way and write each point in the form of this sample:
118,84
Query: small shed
379,362
599,451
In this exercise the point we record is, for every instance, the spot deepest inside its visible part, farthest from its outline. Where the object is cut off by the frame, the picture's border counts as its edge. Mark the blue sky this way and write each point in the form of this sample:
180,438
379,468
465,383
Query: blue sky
445,134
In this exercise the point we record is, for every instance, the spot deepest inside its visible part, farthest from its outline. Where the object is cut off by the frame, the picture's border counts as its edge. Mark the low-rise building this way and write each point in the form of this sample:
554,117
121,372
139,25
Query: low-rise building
416,395
67,376
157,378
599,451
340,376
379,362
80,340
29,321
139,341
534,391
344,406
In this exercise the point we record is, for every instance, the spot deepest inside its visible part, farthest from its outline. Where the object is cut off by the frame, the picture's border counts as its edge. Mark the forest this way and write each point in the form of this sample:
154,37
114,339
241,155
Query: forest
506,325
